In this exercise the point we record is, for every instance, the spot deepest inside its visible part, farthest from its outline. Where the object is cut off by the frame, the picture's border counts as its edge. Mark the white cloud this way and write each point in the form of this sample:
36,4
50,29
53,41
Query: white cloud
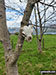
15,23
18,18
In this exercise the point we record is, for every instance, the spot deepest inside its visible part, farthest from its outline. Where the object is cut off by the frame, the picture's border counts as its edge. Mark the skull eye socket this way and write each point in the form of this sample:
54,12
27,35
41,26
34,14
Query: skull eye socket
23,35
29,38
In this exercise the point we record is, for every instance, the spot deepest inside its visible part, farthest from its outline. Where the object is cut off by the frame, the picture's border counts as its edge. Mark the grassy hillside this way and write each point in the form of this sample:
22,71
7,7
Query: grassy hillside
31,62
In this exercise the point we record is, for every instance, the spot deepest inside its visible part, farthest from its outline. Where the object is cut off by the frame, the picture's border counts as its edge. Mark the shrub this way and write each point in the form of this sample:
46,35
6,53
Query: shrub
16,33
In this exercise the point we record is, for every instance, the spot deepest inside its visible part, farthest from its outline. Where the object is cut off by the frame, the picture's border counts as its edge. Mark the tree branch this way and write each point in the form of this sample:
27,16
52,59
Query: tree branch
24,22
47,4
39,21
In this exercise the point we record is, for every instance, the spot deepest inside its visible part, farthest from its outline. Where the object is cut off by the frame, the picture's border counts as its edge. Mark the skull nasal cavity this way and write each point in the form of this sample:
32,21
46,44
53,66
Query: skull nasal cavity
29,38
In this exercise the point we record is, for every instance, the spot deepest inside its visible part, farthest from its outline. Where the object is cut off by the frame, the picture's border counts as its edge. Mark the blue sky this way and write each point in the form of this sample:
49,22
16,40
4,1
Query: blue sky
14,18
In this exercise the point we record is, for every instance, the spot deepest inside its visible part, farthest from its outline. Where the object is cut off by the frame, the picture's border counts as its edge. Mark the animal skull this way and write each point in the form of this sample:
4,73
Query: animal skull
27,32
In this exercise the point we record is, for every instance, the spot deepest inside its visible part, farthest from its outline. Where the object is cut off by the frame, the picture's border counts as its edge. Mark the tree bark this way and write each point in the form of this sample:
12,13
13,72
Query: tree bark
4,37
10,56
39,45
39,42
25,20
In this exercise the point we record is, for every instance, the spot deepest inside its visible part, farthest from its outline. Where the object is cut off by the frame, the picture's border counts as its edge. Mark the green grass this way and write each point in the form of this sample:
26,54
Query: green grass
31,62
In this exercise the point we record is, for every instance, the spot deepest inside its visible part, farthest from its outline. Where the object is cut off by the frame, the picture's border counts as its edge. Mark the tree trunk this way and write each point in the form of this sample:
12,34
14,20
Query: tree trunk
4,37
11,69
10,57
39,42
39,45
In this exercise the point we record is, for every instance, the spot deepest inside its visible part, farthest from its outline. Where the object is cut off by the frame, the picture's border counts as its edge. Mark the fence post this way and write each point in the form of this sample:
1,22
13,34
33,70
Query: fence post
43,43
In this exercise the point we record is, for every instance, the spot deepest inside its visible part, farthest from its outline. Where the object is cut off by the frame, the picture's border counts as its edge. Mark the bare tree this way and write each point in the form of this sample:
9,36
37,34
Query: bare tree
42,19
10,56
38,21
